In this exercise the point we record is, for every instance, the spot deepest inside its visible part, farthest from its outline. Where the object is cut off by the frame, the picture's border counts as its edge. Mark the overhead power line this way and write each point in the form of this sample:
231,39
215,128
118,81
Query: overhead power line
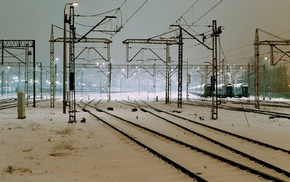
113,12
207,12
187,11
133,14
99,14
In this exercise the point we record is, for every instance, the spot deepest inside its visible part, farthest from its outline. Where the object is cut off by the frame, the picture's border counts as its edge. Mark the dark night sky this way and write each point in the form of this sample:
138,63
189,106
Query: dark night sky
32,19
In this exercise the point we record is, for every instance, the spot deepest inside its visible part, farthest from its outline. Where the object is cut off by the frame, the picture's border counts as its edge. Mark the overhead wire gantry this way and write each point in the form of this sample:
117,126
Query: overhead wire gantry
72,40
26,45
273,44
168,43
216,31
53,40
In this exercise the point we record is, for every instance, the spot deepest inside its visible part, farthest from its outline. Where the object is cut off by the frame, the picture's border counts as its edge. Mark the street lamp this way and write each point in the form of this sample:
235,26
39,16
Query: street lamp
66,20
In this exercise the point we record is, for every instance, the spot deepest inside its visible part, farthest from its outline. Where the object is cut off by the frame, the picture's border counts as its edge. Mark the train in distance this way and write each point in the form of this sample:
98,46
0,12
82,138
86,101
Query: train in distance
223,90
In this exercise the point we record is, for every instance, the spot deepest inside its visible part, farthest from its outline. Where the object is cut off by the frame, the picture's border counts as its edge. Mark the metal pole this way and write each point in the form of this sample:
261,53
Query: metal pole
214,110
40,79
7,81
264,81
26,74
187,80
2,83
72,103
52,70
100,84
257,69
224,72
204,79
167,73
56,76
180,62
249,81
82,86
139,79
110,81
2,51
64,102
269,81
19,75
154,80
34,76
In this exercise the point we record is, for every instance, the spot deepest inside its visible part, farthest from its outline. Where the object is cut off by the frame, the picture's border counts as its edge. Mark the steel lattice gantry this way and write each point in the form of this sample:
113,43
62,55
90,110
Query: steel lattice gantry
17,43
28,65
69,40
25,44
52,70
85,40
272,44
166,42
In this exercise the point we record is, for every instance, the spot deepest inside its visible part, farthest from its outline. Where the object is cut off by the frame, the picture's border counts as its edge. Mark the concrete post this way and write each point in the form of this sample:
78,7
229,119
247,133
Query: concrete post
21,105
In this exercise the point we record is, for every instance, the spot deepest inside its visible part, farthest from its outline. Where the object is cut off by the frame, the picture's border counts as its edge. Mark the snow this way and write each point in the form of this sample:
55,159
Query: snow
44,147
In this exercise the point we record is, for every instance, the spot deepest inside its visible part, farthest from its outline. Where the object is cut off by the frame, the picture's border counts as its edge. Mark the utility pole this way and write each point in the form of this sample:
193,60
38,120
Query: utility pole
110,81
214,108
257,70
168,69
180,63
64,101
180,60
216,31
52,74
72,103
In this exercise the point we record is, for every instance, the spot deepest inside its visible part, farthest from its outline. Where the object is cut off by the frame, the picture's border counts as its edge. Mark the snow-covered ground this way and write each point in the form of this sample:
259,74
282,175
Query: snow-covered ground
44,147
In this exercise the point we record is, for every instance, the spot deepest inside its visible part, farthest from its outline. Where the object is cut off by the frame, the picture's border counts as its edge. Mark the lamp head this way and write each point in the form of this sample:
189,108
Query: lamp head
75,3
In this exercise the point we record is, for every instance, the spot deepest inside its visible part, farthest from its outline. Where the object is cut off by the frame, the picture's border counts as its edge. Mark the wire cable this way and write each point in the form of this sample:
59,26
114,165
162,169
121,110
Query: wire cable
99,14
133,14
207,12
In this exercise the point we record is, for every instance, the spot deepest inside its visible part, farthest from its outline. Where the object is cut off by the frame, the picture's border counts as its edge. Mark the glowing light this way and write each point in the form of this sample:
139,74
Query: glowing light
75,3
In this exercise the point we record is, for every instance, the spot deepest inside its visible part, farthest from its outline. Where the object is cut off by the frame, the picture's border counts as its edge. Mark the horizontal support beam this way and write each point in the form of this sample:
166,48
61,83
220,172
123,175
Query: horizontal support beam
151,66
17,43
150,41
269,42
17,64
84,40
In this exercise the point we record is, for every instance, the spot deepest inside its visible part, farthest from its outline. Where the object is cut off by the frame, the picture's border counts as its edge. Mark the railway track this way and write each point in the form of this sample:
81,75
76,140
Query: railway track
216,132
263,103
8,103
271,114
216,129
181,151
12,102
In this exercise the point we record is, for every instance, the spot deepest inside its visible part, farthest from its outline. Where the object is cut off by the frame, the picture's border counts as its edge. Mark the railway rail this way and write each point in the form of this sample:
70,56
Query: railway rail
8,103
271,114
217,129
213,129
12,102
171,149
